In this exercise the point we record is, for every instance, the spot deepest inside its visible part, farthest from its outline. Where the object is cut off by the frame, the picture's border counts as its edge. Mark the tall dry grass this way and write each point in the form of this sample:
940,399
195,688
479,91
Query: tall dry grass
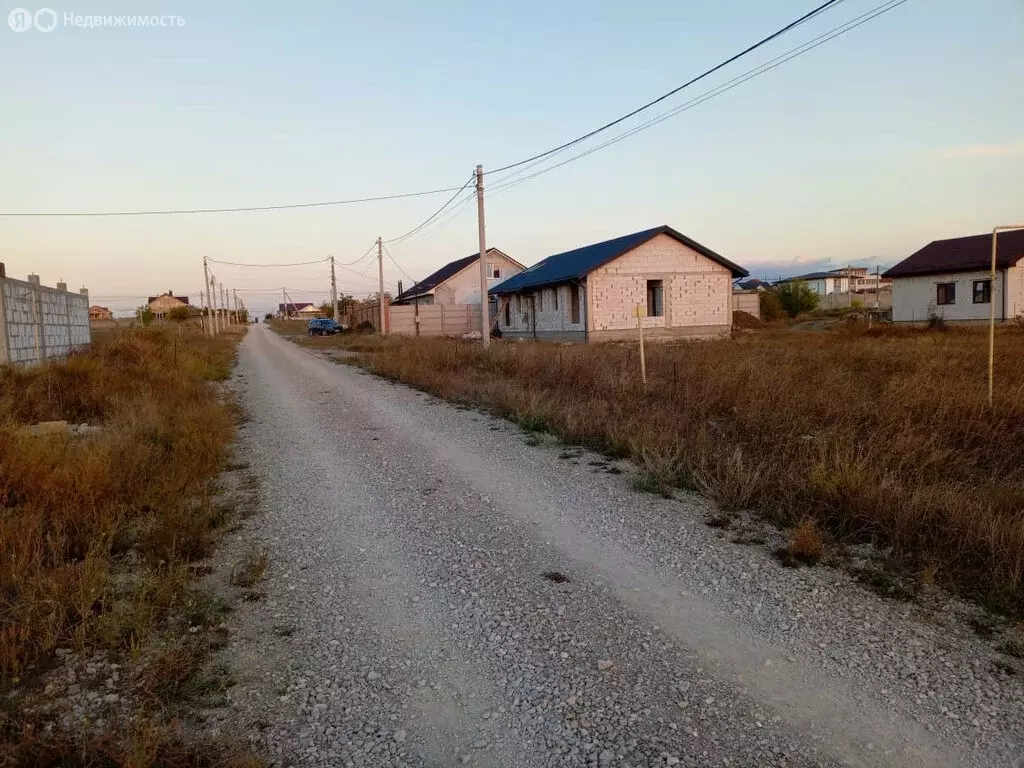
881,436
73,509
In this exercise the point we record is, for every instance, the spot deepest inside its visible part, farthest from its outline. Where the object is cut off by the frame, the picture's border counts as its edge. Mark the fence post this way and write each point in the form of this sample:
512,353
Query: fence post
5,337
63,288
37,317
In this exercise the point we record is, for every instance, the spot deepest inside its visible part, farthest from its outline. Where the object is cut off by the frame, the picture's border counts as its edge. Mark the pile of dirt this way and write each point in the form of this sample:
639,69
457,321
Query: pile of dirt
746,321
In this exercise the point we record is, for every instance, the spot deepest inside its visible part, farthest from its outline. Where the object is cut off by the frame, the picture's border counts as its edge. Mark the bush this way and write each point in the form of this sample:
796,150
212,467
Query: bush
796,297
771,306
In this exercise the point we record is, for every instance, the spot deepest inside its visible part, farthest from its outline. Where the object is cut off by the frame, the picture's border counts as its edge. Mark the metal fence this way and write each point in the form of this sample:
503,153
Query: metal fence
39,323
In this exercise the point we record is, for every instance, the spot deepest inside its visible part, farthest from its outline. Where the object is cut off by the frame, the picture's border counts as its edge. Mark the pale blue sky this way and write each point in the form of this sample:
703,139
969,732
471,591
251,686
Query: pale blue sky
907,129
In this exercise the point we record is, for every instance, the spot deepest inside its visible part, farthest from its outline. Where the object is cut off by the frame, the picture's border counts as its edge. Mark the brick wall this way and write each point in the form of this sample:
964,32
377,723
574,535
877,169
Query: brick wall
697,291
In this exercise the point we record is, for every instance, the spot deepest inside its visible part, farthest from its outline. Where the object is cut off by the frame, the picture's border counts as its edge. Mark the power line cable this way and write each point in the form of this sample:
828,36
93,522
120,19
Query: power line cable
507,182
190,211
611,124
432,216
393,261
293,264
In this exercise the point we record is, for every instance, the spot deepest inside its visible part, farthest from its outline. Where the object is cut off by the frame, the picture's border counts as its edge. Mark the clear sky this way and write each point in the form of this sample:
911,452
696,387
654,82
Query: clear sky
907,129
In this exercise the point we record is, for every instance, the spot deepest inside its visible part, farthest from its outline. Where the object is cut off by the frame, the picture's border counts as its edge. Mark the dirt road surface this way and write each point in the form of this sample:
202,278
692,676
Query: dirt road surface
409,621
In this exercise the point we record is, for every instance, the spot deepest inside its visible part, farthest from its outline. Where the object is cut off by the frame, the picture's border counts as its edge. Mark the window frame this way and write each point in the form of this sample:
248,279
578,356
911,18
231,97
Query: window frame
986,292
656,291
945,294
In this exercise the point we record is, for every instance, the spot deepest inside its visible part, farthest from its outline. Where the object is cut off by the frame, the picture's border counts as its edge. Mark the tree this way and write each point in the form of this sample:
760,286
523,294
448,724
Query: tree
796,297
145,315
179,315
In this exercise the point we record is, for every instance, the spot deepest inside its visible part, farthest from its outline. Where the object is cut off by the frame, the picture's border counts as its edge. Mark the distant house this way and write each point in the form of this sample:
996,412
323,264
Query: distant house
951,279
100,313
753,284
165,302
843,280
682,289
458,282
310,311
294,308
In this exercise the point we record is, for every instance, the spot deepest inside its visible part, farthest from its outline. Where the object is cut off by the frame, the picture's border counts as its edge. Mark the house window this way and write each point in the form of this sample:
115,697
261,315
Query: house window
574,303
508,312
556,299
982,291
655,298
945,293
495,271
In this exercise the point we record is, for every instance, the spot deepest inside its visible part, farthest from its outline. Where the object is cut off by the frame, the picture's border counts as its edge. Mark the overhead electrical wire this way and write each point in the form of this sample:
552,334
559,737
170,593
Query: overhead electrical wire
406,274
611,124
761,69
432,216
190,211
293,264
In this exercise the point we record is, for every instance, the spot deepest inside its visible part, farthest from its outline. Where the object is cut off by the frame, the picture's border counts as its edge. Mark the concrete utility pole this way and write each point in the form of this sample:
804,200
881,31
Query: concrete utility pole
213,303
284,304
334,293
202,306
224,306
485,319
206,282
380,269
234,293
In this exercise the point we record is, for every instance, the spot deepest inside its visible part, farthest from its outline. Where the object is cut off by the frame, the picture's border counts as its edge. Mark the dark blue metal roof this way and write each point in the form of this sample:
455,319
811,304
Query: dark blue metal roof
575,265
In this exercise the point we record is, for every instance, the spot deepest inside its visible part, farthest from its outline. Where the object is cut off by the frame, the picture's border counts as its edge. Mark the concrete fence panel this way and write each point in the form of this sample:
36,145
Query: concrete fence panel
39,323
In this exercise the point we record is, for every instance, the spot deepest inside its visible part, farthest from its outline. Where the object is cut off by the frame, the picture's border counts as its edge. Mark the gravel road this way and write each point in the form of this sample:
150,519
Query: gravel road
442,593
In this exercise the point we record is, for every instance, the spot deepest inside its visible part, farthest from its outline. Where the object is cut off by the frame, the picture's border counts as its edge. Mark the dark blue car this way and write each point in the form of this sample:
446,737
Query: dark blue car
324,326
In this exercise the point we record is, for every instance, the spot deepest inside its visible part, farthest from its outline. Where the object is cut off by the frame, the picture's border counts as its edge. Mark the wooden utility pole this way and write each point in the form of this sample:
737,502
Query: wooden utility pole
485,320
209,311
380,291
334,294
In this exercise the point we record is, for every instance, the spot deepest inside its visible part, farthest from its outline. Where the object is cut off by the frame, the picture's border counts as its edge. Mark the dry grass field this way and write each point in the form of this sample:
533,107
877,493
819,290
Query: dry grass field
879,436
98,529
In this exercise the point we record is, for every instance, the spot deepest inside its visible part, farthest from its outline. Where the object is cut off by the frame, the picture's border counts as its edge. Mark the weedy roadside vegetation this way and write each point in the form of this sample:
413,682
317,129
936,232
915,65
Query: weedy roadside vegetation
98,529
878,435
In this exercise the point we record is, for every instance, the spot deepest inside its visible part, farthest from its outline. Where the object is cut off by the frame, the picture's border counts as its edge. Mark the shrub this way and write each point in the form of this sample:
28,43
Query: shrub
796,297
771,305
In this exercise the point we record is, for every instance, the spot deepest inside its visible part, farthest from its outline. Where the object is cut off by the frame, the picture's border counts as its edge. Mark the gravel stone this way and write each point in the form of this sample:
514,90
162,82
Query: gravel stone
409,535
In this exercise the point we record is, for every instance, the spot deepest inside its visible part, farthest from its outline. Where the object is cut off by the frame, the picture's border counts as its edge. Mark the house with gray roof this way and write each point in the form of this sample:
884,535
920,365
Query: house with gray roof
680,288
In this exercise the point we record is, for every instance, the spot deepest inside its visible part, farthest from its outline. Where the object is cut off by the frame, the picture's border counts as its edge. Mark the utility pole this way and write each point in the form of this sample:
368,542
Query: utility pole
234,292
213,303
224,306
206,281
380,269
485,320
202,306
334,293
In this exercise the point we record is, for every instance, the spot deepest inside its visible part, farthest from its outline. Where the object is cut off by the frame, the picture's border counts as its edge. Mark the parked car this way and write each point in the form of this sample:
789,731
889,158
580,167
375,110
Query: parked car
324,326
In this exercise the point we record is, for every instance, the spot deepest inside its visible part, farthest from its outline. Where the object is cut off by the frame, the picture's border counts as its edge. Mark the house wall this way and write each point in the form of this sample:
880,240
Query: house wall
913,298
464,287
551,323
697,292
161,305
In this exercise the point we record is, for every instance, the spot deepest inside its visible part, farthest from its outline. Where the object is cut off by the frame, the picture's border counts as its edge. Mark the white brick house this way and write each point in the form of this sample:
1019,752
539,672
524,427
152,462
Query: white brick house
952,279
683,289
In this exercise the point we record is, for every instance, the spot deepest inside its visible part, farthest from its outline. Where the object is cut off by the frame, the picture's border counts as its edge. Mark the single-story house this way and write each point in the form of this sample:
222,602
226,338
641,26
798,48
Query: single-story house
165,302
682,288
293,308
751,284
458,282
951,279
100,313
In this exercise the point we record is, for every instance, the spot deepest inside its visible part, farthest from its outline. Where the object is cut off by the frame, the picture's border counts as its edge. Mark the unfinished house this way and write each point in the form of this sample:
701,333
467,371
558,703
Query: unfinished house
680,288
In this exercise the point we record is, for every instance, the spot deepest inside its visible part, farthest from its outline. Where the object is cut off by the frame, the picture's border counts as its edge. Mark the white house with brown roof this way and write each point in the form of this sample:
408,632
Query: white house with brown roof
682,289
952,279
458,282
